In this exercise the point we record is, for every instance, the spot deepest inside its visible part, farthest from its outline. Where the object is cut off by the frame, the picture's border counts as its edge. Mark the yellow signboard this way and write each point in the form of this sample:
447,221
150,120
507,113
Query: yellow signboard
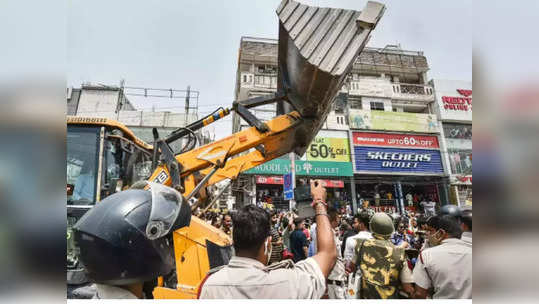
393,121
329,146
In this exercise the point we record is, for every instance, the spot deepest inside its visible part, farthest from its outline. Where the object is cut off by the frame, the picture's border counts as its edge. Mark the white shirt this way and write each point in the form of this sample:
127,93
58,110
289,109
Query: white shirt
112,292
466,237
245,278
351,241
429,208
446,267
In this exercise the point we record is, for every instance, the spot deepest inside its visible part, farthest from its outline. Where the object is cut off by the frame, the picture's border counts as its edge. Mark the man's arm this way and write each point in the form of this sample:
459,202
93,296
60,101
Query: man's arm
327,252
421,278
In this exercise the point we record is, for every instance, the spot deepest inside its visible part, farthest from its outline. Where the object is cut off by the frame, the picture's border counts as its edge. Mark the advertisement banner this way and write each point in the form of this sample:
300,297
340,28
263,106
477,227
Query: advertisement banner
271,180
396,160
304,168
393,121
454,99
279,180
395,140
329,146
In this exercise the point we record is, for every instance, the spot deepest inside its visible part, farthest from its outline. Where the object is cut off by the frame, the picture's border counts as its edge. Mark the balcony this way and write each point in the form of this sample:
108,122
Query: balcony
413,92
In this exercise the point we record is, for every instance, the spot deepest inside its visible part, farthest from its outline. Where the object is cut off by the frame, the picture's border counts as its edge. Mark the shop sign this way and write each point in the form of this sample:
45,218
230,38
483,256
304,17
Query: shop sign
461,179
374,159
395,140
304,168
278,180
454,100
329,146
272,180
393,121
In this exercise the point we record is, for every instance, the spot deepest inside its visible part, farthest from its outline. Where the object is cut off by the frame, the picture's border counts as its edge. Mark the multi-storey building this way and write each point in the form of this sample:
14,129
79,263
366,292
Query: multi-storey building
454,109
380,142
328,157
394,132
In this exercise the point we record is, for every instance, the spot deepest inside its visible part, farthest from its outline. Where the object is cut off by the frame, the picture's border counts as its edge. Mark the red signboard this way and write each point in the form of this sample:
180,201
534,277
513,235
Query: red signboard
278,180
458,103
395,140
332,183
272,180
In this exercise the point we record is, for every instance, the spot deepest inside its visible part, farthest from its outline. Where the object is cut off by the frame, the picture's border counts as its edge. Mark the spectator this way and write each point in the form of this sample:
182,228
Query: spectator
299,244
227,224
276,240
362,219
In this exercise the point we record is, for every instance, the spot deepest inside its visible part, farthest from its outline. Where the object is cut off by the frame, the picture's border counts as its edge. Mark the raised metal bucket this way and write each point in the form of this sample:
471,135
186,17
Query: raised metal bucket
317,48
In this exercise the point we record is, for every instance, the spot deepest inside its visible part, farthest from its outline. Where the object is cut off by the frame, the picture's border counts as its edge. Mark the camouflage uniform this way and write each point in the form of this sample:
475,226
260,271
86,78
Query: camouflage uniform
381,264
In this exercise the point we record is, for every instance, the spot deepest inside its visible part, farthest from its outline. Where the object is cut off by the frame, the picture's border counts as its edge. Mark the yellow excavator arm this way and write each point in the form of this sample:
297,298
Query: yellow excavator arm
317,48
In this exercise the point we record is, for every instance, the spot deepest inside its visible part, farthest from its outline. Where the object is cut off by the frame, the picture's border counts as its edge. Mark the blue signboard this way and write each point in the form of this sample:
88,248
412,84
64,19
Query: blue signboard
375,159
288,186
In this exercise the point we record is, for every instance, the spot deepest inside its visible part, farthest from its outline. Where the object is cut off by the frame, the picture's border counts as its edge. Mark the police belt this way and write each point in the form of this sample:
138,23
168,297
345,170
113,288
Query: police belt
333,282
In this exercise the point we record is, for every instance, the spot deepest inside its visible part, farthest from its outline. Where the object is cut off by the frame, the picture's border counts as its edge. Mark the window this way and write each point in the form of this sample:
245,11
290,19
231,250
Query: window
461,161
82,158
244,78
355,104
340,120
458,131
377,106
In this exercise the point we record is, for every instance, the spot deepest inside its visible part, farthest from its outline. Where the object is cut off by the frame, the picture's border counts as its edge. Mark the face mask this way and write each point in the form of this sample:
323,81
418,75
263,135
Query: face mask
266,251
434,239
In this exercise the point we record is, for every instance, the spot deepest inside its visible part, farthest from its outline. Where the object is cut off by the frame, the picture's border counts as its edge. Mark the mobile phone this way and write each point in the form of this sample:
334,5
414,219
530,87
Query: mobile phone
304,200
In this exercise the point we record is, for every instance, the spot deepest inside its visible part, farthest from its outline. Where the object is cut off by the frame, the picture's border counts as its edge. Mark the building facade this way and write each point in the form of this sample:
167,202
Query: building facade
453,108
383,142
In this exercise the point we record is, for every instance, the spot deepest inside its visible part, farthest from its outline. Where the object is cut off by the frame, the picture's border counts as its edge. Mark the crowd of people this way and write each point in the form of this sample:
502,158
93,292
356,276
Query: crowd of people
423,254
278,254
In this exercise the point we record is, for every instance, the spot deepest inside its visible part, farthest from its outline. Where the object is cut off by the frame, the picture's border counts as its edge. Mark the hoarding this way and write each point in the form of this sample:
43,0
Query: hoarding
393,121
395,140
329,146
454,99
304,168
397,160
279,180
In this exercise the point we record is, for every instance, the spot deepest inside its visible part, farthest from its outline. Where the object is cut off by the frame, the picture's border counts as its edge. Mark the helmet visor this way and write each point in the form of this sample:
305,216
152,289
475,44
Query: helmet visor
166,205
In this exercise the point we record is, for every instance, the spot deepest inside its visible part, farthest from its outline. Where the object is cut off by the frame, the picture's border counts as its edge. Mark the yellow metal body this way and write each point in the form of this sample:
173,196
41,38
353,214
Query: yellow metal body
192,261
233,155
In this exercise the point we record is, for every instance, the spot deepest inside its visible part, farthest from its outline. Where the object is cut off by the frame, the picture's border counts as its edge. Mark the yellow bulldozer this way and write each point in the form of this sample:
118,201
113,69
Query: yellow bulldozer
317,48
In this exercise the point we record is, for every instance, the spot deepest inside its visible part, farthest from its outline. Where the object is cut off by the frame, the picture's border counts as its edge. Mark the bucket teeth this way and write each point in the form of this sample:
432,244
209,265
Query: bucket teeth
317,48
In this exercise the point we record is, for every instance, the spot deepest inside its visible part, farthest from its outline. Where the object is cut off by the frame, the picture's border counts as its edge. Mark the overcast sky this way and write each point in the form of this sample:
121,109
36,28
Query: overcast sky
173,43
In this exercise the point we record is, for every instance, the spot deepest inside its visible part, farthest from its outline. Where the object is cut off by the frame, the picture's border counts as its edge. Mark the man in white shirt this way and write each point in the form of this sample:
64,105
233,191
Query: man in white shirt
363,233
429,208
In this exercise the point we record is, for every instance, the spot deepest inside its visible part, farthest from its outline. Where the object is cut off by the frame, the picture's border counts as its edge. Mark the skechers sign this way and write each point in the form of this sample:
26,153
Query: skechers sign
373,159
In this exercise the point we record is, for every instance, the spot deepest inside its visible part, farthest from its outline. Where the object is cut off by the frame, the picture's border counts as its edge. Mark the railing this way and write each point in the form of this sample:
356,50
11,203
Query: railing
412,89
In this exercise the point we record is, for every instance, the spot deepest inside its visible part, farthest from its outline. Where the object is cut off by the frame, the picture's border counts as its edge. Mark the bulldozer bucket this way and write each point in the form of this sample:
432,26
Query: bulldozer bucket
317,49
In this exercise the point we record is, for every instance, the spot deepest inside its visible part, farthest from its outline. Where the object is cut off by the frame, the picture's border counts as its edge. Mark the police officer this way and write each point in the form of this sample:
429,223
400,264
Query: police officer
451,210
444,271
125,242
247,276
383,265
337,276
466,225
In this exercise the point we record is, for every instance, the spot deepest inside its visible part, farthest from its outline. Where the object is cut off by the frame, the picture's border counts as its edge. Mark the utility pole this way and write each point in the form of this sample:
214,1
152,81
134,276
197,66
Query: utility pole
187,96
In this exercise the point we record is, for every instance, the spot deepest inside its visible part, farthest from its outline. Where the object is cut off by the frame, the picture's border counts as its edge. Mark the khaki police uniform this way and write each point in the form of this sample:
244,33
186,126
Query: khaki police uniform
466,237
112,292
337,276
447,268
245,278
